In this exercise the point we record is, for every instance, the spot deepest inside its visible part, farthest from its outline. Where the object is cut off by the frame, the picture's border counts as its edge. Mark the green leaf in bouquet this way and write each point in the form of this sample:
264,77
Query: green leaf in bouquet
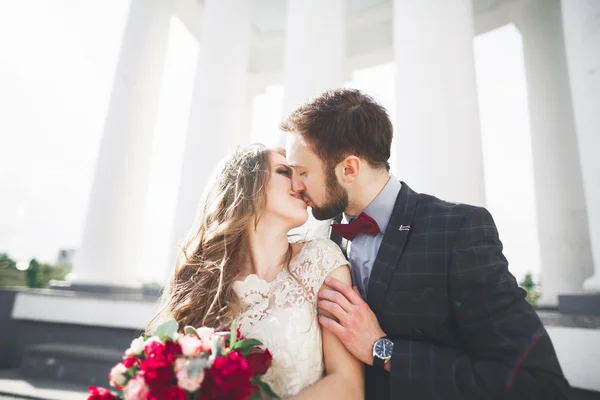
233,335
245,345
167,330
190,330
131,372
265,390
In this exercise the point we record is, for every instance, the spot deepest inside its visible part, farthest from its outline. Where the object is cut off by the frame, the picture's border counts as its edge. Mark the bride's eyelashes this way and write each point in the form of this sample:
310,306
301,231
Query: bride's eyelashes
287,172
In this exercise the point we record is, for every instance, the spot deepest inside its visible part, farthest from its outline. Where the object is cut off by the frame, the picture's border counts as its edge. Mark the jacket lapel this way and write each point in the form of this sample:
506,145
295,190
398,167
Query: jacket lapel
391,247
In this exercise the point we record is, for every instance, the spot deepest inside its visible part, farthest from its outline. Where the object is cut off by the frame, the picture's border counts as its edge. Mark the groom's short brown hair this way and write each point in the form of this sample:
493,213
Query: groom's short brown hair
343,122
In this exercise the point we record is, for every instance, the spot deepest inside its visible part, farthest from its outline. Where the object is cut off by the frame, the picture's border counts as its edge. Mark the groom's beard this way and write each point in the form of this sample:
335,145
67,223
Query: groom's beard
336,199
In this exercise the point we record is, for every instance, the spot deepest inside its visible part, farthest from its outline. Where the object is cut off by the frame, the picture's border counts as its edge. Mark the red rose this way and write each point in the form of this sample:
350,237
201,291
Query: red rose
259,362
167,351
170,392
153,347
157,371
229,378
172,350
99,393
130,362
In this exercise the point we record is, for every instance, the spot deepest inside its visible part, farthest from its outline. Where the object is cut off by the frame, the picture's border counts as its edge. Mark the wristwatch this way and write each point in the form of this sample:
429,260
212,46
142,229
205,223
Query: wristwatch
382,352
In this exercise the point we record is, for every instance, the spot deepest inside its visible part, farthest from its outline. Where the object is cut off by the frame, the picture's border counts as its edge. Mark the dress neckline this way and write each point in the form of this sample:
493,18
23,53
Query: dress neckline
276,278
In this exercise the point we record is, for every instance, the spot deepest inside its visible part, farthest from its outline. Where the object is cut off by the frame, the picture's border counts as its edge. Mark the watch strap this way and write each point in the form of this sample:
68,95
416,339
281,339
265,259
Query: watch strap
378,362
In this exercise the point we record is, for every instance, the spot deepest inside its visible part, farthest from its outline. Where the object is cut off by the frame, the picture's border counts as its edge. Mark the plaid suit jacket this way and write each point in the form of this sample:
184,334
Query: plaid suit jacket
461,327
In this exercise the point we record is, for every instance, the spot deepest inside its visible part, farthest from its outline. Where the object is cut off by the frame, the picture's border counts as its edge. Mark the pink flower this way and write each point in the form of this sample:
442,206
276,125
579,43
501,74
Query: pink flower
190,345
100,393
117,376
136,388
184,380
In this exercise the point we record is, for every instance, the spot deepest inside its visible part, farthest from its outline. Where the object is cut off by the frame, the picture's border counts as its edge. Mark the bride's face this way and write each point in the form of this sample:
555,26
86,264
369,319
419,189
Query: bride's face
282,202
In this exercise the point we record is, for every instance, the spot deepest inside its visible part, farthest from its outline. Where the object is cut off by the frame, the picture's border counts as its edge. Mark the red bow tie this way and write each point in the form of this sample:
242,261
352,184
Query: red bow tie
362,224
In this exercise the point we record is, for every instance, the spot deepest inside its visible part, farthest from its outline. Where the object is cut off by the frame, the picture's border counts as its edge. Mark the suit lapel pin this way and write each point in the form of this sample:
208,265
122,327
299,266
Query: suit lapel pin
404,228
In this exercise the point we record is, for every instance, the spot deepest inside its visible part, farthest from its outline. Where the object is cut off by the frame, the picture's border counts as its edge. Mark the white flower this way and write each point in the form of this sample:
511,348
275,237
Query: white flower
136,389
151,340
207,336
136,348
205,333
184,380
190,345
117,375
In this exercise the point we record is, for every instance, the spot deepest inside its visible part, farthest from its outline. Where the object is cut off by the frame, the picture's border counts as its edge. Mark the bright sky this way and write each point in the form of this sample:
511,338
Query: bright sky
57,60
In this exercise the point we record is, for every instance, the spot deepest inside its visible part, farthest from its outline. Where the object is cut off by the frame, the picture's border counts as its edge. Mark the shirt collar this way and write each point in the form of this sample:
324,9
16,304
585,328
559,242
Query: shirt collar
382,206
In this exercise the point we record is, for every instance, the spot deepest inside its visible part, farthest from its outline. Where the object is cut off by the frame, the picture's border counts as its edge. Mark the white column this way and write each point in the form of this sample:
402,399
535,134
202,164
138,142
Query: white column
581,20
437,131
111,244
218,115
561,212
314,50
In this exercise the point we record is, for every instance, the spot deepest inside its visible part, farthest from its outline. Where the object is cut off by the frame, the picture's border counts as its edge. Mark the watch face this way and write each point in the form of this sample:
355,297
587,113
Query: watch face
383,348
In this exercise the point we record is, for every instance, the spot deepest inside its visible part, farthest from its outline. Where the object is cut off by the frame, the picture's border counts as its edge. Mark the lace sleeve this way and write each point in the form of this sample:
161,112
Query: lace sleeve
328,256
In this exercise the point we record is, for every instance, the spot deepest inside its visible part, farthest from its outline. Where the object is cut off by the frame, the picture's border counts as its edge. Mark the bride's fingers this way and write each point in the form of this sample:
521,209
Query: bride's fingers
335,297
332,308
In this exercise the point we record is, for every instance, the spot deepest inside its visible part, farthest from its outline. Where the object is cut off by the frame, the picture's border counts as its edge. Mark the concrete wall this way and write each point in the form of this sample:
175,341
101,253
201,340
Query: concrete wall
8,328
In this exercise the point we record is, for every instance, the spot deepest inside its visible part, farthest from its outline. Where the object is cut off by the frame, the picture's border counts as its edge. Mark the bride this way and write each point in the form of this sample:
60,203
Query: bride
237,264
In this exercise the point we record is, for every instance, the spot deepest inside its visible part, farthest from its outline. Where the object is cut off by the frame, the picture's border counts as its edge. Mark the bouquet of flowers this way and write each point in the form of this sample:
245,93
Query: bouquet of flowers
195,364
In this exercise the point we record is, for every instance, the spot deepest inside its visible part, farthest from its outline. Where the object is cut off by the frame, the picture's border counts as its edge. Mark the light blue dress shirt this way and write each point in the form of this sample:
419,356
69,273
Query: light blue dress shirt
362,250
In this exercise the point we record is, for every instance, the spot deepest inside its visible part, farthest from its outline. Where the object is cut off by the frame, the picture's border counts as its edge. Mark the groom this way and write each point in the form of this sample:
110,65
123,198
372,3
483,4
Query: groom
435,313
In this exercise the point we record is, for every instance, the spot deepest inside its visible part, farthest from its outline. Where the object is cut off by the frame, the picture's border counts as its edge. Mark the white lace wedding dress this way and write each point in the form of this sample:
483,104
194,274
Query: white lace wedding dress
283,316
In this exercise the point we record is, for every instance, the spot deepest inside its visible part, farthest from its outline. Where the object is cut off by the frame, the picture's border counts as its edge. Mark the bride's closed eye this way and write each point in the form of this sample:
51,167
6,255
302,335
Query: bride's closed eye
287,172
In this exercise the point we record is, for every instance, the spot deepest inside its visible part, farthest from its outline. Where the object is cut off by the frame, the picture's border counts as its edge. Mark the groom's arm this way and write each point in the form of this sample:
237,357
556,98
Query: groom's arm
510,355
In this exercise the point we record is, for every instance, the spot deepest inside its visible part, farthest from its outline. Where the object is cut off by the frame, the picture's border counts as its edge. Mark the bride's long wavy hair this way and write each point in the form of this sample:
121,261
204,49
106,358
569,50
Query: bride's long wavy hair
200,290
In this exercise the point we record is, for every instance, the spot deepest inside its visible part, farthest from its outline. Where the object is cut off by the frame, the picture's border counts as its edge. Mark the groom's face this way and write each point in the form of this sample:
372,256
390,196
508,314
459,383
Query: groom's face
316,181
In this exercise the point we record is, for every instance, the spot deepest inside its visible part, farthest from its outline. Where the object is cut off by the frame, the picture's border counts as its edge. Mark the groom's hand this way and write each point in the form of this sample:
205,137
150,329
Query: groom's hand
356,326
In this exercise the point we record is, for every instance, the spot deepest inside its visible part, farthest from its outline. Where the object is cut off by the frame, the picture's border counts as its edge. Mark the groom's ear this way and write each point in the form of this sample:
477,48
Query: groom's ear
351,168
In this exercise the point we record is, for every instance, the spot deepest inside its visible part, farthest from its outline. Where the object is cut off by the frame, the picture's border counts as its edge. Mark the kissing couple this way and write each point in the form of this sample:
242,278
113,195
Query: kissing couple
410,297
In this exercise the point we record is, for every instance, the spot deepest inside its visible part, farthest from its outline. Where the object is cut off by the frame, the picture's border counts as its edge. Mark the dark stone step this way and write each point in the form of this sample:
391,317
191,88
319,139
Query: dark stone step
78,364
580,304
